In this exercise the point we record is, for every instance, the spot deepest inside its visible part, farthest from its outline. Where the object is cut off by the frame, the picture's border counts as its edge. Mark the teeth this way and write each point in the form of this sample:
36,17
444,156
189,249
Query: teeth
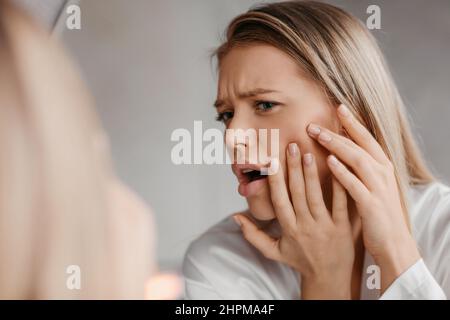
247,170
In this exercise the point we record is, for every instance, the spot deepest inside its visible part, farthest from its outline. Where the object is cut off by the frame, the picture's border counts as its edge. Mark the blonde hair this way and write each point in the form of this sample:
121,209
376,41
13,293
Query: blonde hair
56,179
336,50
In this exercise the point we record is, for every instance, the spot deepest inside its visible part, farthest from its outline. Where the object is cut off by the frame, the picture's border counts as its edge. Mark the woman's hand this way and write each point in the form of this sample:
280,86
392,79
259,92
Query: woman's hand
316,243
373,187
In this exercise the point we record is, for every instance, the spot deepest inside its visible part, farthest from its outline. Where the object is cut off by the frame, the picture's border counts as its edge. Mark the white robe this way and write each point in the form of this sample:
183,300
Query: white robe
221,264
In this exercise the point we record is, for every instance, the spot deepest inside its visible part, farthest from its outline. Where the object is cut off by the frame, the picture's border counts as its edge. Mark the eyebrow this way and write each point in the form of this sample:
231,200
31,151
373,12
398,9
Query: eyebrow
243,95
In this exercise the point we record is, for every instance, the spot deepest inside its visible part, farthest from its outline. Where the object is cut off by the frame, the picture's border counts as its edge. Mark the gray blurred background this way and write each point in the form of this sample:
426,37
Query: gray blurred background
147,64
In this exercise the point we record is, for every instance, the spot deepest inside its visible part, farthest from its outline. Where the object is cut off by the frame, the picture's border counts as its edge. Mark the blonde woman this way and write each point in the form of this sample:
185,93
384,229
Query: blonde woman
354,213
69,229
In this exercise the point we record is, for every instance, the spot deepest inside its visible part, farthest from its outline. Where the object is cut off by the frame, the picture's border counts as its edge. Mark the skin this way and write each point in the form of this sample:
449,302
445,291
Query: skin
323,208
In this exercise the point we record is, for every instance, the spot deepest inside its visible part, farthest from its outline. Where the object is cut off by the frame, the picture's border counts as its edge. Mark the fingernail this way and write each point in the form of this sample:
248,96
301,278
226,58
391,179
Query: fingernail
274,166
307,159
333,160
343,110
324,137
238,222
313,129
293,149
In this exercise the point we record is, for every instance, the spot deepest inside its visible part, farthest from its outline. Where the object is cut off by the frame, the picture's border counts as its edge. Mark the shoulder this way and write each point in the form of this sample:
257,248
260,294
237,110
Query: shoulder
430,221
225,233
429,205
433,192
222,261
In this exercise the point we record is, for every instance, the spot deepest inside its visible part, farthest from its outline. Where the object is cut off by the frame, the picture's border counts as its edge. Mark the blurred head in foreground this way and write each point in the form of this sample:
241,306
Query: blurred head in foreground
68,228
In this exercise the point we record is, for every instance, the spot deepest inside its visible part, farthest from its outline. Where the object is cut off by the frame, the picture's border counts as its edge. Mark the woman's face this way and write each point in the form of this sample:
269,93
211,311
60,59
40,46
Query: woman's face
261,87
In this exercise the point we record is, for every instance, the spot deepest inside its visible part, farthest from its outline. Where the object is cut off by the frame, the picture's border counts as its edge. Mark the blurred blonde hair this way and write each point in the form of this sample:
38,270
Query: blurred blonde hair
56,180
335,49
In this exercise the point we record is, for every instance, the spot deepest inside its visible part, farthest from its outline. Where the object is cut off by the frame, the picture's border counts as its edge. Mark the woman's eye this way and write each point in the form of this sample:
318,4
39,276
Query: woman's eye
265,105
225,116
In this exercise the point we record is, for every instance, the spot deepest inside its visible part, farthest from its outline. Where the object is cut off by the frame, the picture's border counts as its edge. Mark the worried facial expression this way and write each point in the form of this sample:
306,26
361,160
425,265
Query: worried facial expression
261,87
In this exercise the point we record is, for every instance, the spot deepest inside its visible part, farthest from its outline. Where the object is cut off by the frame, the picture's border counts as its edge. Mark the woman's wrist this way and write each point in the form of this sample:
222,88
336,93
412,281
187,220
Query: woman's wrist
325,288
396,259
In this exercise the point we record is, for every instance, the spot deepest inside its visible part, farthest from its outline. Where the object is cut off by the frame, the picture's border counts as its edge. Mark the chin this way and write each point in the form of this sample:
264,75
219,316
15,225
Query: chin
260,207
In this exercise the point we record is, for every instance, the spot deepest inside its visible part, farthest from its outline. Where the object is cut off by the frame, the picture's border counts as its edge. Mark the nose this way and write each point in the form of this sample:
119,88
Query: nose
241,137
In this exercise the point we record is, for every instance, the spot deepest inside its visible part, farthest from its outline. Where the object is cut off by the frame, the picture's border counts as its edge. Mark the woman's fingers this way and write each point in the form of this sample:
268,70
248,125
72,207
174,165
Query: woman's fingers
267,245
361,135
339,207
280,197
313,189
348,180
351,154
296,182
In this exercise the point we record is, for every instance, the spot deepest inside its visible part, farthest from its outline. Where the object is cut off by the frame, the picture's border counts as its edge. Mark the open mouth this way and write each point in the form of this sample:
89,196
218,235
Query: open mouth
253,175
251,178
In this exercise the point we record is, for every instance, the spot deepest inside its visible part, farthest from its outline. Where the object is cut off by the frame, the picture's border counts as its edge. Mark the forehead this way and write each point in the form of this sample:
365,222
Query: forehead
259,65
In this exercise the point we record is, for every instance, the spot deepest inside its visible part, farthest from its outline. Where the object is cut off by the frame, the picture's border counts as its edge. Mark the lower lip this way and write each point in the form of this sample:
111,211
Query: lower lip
248,189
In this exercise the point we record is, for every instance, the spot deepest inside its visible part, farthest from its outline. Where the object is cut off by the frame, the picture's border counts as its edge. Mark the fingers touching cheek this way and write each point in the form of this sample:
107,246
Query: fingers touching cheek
307,145
260,205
